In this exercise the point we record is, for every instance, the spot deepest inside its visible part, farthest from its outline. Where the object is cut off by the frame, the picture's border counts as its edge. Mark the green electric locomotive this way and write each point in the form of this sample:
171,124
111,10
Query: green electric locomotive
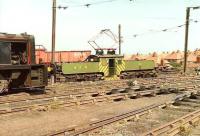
108,66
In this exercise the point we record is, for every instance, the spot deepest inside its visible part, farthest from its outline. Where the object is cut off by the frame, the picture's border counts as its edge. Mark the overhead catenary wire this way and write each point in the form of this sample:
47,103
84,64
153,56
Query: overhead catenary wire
87,5
165,29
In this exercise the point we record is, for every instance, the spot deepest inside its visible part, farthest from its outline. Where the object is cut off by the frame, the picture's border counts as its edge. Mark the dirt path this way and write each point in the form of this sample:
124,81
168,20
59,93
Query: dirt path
40,123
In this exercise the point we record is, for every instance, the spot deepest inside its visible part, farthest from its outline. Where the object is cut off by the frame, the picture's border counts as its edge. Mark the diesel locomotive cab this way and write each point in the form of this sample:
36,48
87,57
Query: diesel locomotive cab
18,69
13,53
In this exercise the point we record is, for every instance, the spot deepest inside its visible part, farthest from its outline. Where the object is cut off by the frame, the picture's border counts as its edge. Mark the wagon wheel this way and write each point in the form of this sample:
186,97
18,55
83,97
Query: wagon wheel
154,74
148,75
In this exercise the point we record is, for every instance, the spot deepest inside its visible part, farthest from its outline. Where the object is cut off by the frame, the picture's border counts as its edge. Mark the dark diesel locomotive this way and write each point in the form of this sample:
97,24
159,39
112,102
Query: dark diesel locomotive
18,69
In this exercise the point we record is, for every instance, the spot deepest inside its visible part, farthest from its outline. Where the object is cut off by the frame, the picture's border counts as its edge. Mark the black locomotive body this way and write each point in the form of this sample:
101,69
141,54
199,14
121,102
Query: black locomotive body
18,69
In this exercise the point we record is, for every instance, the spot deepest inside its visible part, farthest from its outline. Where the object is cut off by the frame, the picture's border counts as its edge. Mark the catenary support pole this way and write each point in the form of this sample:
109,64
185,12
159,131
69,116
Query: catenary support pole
186,38
119,32
53,38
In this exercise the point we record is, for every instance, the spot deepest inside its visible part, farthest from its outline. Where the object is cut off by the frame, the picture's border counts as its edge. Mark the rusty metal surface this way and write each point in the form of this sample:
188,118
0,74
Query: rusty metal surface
14,37
62,56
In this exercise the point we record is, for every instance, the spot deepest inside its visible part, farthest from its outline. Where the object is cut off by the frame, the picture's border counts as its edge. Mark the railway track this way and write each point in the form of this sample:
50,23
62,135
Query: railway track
87,128
69,95
95,125
103,86
175,119
77,99
175,127
148,88
180,126
66,90
70,101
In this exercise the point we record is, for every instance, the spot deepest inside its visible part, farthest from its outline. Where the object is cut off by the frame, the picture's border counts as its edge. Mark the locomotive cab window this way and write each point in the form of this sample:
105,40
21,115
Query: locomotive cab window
5,54
13,53
111,63
18,53
92,59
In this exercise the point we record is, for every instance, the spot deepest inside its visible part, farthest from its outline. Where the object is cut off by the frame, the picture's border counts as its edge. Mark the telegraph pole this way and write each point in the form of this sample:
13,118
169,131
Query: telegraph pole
53,76
186,34
53,32
119,32
186,37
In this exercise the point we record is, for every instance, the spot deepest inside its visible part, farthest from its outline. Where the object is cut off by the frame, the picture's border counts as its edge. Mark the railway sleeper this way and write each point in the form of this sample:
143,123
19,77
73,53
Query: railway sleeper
137,74
183,109
134,96
138,116
196,96
197,101
128,116
178,110
183,103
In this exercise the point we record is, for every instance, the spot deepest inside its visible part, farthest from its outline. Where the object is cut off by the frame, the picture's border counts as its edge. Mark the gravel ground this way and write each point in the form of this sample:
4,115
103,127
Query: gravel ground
40,123
140,126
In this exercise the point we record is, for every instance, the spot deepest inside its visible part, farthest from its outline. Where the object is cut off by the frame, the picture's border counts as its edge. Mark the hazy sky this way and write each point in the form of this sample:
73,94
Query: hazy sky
77,25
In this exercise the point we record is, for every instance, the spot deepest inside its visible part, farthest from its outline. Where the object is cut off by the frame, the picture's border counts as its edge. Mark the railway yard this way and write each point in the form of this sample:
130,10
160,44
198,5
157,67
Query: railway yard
103,95
104,91
164,105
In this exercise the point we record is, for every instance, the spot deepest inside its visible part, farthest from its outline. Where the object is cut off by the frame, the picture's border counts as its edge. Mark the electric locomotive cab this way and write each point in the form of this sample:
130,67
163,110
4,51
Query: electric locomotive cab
110,63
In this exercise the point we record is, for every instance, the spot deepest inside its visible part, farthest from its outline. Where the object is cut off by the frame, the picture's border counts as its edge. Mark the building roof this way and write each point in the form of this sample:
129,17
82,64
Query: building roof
192,57
138,57
155,57
175,56
127,57
163,55
197,52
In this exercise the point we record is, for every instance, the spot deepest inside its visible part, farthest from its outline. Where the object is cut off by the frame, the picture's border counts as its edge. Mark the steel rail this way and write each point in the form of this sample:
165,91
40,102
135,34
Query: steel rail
106,121
69,103
143,82
64,95
79,94
77,130
174,127
77,102
71,89
64,101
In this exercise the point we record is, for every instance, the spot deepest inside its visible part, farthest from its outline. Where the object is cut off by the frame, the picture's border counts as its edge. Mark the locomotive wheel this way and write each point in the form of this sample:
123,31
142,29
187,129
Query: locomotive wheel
148,75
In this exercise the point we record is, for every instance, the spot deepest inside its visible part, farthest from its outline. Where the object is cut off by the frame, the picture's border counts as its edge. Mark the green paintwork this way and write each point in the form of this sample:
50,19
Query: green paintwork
139,65
80,67
103,66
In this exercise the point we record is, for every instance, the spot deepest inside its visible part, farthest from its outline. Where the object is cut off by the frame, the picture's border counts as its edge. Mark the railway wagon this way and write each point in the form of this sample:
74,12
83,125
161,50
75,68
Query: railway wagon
18,69
44,56
108,67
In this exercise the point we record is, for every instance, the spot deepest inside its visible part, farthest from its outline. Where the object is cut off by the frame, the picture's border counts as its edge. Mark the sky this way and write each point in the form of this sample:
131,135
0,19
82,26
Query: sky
76,25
